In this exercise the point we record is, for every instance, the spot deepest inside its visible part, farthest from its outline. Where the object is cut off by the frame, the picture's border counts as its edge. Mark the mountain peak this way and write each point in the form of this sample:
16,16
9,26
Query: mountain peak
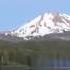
44,24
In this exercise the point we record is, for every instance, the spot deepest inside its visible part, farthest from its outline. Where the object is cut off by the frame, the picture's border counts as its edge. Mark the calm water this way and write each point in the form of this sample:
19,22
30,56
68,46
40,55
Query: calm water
51,64
57,63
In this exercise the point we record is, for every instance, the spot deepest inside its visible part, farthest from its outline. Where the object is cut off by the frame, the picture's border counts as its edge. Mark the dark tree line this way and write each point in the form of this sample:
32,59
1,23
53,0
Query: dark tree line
22,52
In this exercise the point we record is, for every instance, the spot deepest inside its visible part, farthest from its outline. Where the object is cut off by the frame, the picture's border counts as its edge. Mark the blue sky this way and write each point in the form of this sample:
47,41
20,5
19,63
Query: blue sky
14,13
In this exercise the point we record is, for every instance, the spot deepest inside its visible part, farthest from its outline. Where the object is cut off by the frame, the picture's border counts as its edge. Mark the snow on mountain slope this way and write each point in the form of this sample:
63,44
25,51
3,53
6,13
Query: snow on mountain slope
44,24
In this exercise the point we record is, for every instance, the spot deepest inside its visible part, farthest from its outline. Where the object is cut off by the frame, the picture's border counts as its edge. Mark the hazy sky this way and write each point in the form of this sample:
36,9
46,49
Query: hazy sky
14,13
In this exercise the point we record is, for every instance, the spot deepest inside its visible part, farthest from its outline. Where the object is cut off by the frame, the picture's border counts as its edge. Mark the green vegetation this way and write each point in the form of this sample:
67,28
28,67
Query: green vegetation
19,53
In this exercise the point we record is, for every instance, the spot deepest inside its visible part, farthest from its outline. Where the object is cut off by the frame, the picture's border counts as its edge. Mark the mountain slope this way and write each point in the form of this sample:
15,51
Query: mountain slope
44,24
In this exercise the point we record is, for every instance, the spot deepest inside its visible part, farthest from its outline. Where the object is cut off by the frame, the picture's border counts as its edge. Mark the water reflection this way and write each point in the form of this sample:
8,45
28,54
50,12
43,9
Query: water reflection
55,63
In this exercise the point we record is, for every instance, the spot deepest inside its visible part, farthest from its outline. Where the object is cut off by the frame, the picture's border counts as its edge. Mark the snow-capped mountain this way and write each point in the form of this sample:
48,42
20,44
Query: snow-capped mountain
44,24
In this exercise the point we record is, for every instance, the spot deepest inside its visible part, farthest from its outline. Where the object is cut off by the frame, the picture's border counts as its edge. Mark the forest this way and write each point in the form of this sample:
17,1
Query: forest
22,53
